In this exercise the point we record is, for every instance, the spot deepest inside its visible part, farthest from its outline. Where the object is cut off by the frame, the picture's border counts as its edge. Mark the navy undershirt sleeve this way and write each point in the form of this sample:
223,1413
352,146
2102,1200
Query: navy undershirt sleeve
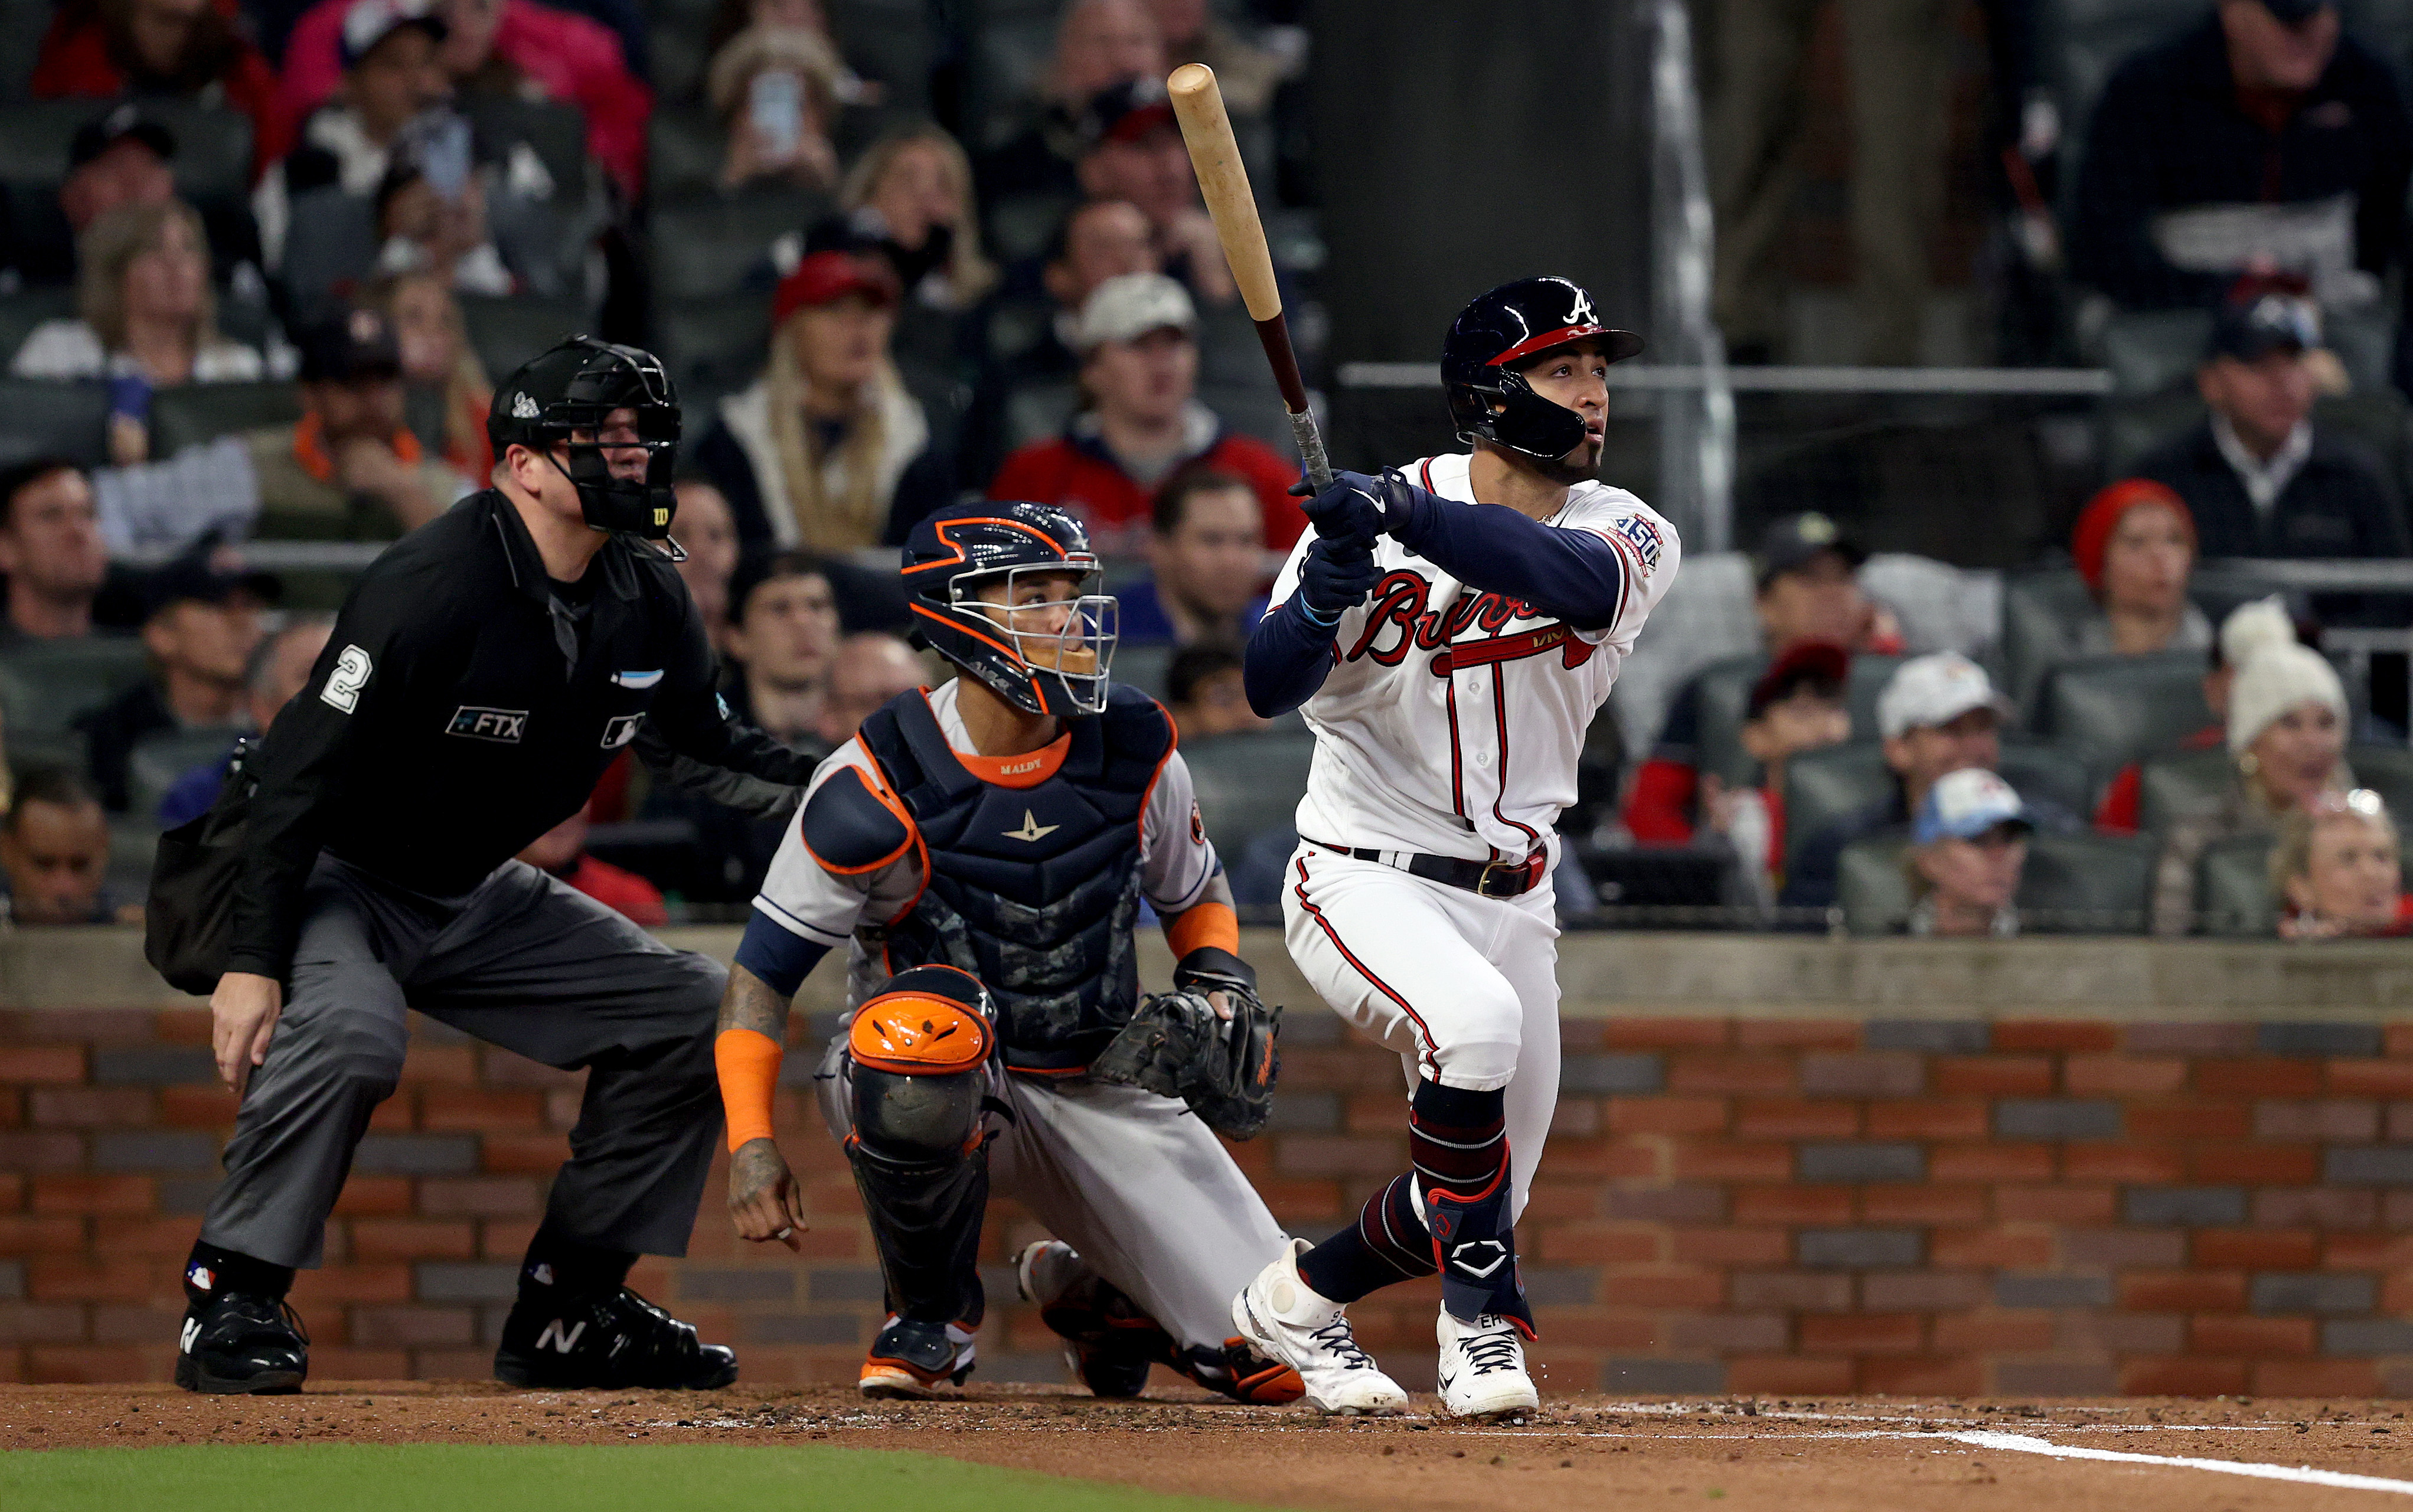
1574,576
779,958
1289,657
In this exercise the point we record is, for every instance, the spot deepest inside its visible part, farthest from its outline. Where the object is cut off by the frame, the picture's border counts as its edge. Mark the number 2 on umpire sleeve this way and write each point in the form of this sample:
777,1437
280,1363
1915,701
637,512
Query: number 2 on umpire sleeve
343,688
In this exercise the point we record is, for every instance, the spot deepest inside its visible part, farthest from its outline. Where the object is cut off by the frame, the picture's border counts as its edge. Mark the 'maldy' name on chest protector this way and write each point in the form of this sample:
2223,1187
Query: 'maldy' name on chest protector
1034,890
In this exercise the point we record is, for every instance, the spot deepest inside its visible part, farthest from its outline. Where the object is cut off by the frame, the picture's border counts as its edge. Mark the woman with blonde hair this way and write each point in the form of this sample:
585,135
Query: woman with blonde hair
827,450
2335,871
911,195
442,374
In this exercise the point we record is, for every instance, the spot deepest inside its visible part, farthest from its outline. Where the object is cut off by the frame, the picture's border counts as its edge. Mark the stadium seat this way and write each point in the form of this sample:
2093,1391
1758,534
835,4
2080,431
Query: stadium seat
2072,885
2172,787
714,243
212,159
21,311
1822,787
44,687
893,42
193,413
39,418
2154,352
508,331
2035,607
1144,667
555,130
683,151
133,843
678,59
1248,784
1020,226
2232,887
713,346
2387,770
1870,886
2113,710
2049,774
161,759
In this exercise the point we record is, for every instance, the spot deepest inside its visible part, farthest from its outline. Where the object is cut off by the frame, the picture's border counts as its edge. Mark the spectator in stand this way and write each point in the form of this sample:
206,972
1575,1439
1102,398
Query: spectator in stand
869,668
1808,591
2248,627
350,469
2286,733
423,229
1099,44
54,854
279,671
1139,371
50,553
2336,873
1967,848
146,319
2134,549
827,450
776,91
121,156
1795,706
1939,714
1132,152
180,49
200,631
783,629
445,390
1246,72
1206,547
734,16
507,49
1203,693
2259,477
562,852
911,199
709,537
2262,136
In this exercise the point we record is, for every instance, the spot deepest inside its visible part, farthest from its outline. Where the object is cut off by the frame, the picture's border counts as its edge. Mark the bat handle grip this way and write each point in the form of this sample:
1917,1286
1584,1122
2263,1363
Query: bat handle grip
1311,448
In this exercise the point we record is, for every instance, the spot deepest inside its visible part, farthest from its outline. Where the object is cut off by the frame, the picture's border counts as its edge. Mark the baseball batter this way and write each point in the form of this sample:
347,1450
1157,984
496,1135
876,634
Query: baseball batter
1449,630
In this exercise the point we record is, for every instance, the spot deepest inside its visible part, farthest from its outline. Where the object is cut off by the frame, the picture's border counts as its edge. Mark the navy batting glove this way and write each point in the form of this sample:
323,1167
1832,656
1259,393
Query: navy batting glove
1347,509
1334,577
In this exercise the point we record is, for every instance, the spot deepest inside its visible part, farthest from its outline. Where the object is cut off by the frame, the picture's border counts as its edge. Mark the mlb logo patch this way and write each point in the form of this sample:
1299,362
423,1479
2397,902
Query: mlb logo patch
1643,537
502,726
620,730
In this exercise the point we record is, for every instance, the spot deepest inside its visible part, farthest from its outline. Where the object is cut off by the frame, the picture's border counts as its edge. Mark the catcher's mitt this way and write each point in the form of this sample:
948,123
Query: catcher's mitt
1175,1046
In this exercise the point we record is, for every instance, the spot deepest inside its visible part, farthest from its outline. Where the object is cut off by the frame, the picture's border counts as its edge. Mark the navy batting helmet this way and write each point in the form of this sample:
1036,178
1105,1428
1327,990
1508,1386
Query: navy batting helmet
1488,398
963,567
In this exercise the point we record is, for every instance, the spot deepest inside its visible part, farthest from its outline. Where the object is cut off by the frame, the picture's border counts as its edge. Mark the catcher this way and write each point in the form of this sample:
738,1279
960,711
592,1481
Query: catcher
985,848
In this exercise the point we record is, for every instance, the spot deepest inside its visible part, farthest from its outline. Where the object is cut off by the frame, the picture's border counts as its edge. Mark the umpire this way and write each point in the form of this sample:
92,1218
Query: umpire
484,673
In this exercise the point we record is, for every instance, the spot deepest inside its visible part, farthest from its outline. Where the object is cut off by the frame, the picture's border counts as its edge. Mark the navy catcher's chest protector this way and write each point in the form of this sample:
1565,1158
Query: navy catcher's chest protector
1034,890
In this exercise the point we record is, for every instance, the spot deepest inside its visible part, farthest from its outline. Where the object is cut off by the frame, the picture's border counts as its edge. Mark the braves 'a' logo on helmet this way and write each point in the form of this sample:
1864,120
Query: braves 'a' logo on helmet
1501,327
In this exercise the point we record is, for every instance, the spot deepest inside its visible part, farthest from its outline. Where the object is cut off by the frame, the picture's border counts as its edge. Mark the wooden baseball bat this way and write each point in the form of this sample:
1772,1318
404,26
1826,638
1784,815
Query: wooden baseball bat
1223,179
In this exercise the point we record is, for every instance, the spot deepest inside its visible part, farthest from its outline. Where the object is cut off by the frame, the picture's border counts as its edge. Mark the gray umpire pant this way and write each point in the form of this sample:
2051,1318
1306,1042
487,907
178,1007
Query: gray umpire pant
522,961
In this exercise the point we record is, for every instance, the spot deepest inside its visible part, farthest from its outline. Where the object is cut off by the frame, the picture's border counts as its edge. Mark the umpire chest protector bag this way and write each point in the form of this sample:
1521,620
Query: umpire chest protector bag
1035,890
188,925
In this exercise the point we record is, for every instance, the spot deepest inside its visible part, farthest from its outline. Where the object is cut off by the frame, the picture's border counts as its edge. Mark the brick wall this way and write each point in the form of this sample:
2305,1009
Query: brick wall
1781,1206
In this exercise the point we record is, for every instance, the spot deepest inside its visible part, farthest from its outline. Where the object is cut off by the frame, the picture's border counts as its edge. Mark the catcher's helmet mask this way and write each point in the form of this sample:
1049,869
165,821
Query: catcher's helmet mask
574,390
954,556
1499,330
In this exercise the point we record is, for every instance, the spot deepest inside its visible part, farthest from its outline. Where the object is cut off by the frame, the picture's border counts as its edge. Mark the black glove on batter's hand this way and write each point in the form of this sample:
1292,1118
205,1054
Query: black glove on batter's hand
1334,577
1348,508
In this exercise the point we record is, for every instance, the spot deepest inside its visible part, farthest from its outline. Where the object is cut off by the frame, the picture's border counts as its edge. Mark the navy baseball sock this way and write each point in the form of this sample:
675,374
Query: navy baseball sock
1458,1141
213,1271
575,1268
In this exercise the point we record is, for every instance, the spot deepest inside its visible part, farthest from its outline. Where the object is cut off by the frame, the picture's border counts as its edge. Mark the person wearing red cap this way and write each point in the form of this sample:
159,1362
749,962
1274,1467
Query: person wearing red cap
827,450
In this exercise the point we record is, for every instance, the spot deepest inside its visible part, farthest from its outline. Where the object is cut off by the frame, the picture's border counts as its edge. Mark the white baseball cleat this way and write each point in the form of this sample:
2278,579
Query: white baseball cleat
1483,1369
1285,1320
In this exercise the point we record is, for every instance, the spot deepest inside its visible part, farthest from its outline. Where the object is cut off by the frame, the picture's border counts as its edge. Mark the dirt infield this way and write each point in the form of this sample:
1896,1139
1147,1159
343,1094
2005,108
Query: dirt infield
1823,1456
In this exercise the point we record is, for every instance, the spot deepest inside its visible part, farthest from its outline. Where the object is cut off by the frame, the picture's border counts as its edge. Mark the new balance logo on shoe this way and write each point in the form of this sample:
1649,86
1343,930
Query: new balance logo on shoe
562,1341
192,1331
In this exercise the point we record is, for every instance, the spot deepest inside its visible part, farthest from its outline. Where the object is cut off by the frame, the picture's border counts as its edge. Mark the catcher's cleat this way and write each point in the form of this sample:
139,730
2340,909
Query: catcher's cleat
606,1340
1109,1342
910,1360
236,1343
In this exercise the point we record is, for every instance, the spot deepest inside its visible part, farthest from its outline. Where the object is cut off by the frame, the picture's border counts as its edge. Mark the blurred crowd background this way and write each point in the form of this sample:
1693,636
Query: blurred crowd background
2028,379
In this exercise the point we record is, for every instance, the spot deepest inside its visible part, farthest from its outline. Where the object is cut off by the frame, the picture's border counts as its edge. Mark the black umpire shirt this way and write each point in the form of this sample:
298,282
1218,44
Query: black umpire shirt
466,704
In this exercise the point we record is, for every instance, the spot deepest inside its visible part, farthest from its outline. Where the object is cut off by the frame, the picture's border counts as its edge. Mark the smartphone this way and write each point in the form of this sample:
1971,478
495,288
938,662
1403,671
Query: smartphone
444,156
775,100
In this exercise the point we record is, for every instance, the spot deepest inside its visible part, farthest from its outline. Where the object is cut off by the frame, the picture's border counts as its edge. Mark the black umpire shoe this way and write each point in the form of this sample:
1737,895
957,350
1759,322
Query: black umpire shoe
243,1345
607,1341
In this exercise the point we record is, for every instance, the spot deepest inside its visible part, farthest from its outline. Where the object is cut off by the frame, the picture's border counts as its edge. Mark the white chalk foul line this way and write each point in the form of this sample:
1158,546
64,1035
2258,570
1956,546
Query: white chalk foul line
2301,1474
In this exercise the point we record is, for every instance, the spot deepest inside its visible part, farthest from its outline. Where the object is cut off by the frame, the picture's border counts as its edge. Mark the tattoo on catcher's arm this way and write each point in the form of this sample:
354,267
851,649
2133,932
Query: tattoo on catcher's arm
750,1003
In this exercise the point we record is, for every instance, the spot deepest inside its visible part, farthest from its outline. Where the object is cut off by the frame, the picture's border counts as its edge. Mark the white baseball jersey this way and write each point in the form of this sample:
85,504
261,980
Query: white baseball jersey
1453,718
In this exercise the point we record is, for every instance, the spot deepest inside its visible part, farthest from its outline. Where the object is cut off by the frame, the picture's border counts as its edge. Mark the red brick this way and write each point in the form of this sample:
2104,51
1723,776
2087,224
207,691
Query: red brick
2143,1165
343,1363
2183,1291
2054,1035
1795,1119
1961,1248
1721,1161
2256,1164
1724,1333
1732,1246
2056,1205
89,1107
1568,1118
41,1063
2318,1378
1864,1333
2191,1377
1793,1205
32,1236
1730,1072
480,1109
152,1238
331,1284
1597,1244
93,1193
2097,1076
1789,1375
2184,1118
1885,1203
1992,1075
2257,1249
503,1155
41,1322
1988,1333
1922,1377
447,1065
477,1196
121,1324
1930,1118
502,1068
13,1191
93,1278
1667,1115
1665,1033
2318,1120
1798,1033
12,1108
1310,1154
2364,1252
412,1238
2254,1338
2366,1077
1989,1162
53,1150
373,1196
2260,1077
1570,1327
1632,1156
90,1365
1636,1287
2398,1039
413,1326
197,1107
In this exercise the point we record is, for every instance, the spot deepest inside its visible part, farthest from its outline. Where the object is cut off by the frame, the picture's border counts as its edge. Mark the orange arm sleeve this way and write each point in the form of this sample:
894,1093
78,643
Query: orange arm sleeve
1208,924
748,1062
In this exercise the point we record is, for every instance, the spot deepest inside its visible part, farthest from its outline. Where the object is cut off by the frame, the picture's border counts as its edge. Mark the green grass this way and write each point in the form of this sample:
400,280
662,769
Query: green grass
470,1477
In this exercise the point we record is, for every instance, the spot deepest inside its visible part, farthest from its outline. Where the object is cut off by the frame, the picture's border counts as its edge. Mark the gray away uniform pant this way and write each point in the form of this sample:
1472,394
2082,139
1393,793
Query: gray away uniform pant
522,961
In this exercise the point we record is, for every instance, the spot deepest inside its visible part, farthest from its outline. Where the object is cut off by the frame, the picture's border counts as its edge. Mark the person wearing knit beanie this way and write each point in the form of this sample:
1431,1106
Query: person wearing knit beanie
2134,546
2248,627
2279,683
